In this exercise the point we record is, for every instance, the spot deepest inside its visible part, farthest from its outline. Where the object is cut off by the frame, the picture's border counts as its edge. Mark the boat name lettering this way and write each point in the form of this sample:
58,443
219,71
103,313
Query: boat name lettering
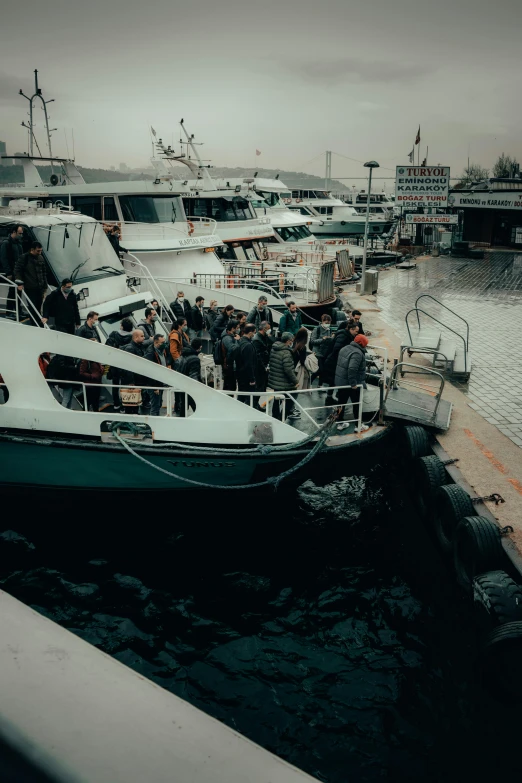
202,464
193,241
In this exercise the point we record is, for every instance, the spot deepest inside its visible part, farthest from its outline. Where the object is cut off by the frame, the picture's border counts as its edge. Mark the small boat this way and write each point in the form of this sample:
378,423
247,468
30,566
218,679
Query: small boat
222,444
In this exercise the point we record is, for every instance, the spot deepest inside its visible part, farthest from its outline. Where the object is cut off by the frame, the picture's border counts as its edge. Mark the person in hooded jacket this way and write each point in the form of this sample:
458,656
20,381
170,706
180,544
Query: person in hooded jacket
246,361
282,376
351,372
346,333
321,340
221,322
118,339
188,364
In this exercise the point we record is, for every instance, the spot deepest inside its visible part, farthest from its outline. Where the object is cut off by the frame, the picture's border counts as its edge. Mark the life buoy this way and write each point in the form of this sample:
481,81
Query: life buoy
298,200
230,281
191,227
301,262
281,283
287,200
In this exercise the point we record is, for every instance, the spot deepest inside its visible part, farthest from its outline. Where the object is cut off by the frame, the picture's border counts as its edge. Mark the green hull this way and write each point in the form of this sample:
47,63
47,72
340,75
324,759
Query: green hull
33,461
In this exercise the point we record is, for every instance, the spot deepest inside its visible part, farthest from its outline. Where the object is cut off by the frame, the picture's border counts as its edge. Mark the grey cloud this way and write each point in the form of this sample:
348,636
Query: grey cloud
355,70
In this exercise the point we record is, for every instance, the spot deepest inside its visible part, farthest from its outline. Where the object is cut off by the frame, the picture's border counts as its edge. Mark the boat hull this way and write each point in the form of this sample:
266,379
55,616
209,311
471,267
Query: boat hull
342,229
32,461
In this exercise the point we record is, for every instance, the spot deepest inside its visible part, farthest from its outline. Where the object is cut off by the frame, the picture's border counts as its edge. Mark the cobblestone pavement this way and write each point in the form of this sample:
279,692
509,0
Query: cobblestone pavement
488,294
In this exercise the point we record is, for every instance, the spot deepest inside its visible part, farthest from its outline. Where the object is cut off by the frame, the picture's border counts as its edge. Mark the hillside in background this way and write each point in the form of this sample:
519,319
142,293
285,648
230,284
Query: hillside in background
10,175
292,179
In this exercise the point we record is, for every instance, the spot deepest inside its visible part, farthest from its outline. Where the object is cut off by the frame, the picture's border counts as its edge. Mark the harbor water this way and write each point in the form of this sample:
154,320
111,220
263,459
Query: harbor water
321,623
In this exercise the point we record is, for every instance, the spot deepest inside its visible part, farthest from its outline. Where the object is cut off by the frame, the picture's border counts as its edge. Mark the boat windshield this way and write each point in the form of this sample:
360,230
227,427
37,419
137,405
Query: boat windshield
293,233
77,250
151,209
222,209
272,199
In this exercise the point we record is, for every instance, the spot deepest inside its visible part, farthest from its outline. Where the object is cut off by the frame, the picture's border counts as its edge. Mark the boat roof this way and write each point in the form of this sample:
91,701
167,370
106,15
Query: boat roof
37,216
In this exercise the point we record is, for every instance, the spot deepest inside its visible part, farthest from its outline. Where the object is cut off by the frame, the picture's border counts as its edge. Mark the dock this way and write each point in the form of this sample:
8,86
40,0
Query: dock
488,451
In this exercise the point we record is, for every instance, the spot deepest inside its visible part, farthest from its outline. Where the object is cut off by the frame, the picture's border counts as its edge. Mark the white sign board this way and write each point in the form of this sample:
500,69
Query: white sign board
433,220
422,186
487,200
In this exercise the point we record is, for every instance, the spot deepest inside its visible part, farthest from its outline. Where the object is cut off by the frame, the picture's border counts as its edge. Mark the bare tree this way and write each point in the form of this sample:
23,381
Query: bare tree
473,173
505,166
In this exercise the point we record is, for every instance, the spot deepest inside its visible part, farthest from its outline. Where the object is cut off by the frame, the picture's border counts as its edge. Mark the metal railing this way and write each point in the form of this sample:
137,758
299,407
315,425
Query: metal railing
284,399
393,384
20,300
151,281
429,296
417,310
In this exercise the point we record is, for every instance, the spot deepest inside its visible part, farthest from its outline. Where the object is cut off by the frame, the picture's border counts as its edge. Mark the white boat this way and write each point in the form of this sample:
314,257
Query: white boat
339,218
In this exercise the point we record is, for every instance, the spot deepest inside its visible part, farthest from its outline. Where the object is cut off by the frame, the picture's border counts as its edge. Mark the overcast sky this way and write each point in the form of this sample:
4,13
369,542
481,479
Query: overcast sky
291,78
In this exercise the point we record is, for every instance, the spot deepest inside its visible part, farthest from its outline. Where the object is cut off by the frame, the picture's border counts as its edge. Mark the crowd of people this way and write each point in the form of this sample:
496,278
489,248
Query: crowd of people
251,357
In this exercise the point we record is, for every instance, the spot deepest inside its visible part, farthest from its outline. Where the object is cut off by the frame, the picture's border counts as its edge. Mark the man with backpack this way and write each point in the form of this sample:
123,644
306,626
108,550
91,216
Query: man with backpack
291,320
260,313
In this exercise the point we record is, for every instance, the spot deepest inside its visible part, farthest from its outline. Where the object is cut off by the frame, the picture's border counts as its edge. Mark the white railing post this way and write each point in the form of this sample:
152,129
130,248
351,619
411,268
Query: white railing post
85,406
359,418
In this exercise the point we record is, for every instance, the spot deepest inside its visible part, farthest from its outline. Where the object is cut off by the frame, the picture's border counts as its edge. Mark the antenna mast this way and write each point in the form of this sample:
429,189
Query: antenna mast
32,137
204,173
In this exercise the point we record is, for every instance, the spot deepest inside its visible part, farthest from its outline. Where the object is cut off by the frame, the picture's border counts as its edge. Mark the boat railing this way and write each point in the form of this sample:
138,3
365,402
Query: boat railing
16,301
227,281
277,404
136,266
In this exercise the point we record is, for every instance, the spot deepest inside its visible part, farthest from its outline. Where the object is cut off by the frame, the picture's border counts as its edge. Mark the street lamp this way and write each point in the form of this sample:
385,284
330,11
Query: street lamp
371,164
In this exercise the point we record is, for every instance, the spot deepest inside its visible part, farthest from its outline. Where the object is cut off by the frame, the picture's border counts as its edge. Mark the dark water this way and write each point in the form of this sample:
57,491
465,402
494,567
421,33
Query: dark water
320,623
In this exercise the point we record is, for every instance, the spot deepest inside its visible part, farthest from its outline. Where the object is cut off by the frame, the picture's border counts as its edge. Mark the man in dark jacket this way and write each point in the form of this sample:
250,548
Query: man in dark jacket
260,313
356,316
88,329
221,322
157,352
351,372
291,320
346,333
191,364
148,326
62,305
131,378
282,376
118,339
181,308
10,251
114,239
198,317
229,345
31,276
262,342
246,361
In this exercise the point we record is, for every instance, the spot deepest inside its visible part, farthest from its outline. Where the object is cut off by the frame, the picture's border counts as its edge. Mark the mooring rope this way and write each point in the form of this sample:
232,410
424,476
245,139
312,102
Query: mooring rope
272,481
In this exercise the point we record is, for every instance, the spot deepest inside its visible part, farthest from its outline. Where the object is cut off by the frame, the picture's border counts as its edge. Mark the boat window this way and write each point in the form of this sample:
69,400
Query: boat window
324,210
77,250
110,212
272,199
88,205
322,194
220,209
150,209
292,233
296,193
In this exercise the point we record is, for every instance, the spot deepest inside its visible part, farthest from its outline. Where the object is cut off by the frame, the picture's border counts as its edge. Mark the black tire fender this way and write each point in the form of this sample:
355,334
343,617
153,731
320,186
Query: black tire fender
416,442
497,599
501,654
450,505
429,475
343,222
477,548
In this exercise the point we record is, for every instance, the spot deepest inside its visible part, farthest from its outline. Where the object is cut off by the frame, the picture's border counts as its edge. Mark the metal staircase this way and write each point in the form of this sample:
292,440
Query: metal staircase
450,352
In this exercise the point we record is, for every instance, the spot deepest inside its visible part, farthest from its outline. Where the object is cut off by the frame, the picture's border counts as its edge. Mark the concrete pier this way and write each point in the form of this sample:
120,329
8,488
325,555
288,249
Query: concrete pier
489,458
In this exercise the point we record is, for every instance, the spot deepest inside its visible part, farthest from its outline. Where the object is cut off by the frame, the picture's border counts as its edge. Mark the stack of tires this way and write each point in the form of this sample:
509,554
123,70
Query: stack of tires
475,546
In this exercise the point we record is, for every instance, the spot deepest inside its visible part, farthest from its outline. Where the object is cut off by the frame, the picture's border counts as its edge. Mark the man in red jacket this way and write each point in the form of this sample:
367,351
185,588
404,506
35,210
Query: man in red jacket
91,372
